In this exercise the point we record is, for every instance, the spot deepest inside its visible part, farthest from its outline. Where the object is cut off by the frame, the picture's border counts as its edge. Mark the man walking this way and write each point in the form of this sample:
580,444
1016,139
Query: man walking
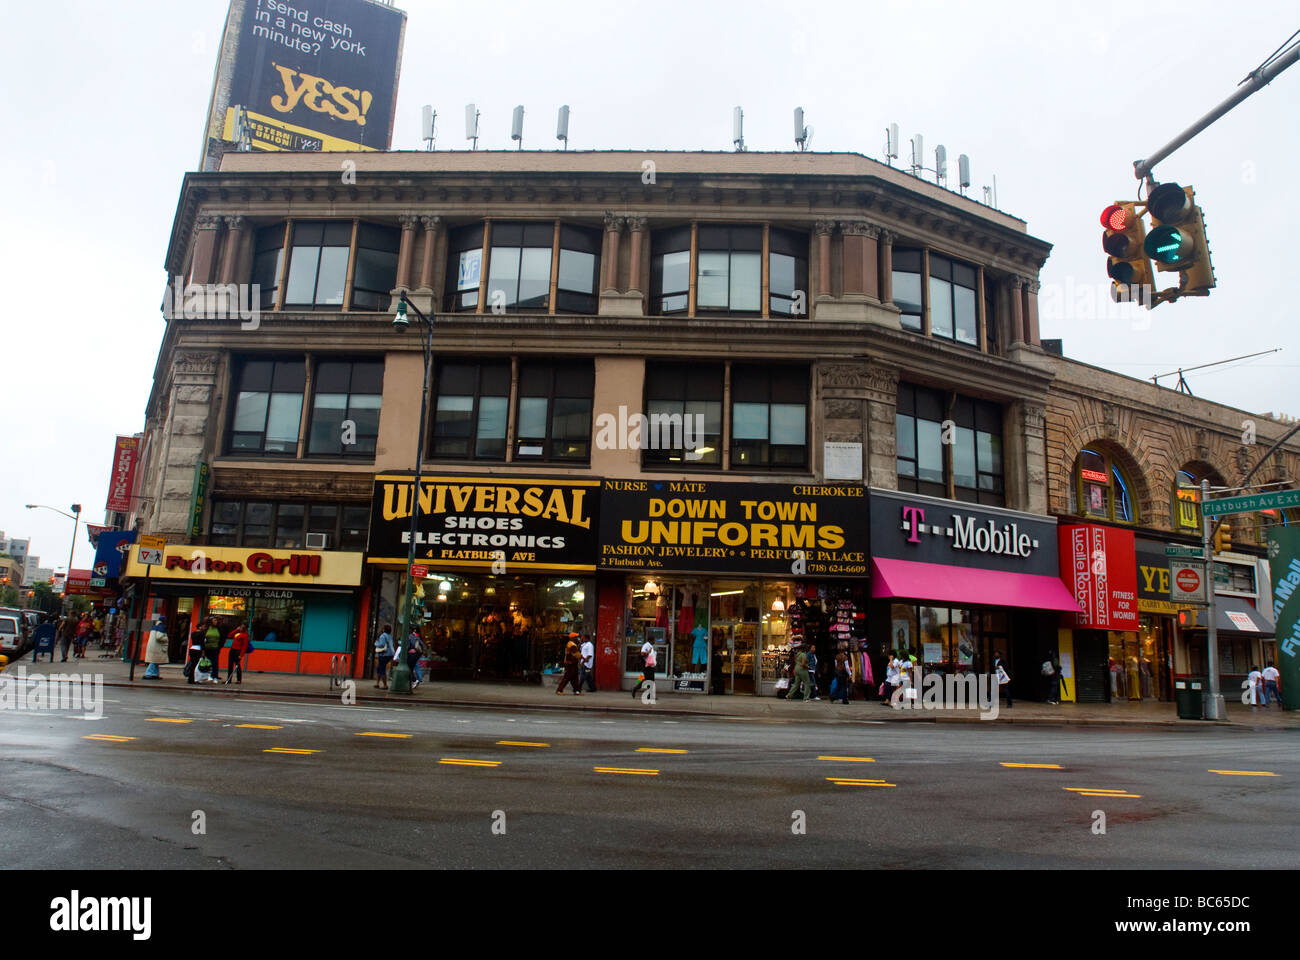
571,658
587,665
802,683
648,661
1271,677
385,650
212,645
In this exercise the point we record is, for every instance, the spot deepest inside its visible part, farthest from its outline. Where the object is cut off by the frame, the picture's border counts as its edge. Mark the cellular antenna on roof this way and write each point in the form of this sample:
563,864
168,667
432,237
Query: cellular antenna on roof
471,125
918,155
941,165
738,129
891,143
562,126
517,126
428,117
963,173
802,134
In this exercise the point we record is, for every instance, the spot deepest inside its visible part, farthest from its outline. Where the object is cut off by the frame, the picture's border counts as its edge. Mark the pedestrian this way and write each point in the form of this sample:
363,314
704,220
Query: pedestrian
212,644
238,644
1254,685
648,663
1051,680
893,677
84,627
572,655
414,647
194,653
1003,677
63,633
801,683
587,664
384,653
812,670
155,651
1271,678
843,674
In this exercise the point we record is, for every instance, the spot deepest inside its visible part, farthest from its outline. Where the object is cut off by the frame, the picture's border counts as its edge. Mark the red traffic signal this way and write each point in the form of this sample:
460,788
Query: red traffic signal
1127,264
1115,217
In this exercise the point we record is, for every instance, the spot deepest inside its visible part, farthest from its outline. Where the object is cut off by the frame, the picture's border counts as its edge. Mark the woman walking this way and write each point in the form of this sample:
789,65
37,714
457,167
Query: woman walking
84,627
238,644
843,674
155,650
385,650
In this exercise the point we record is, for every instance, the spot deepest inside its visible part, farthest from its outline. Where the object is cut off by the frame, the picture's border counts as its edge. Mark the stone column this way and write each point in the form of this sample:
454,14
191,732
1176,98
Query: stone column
432,226
203,266
235,229
191,433
1024,458
637,228
823,230
886,268
881,395
406,252
1016,292
860,259
613,227
1031,312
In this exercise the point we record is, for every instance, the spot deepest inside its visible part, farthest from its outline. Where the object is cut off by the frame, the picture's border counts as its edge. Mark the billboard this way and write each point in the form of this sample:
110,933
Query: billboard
122,480
1099,565
307,75
1284,567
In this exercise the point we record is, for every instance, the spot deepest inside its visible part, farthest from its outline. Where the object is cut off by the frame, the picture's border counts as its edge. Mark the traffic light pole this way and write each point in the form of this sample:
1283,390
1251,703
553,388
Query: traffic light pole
1214,708
1257,80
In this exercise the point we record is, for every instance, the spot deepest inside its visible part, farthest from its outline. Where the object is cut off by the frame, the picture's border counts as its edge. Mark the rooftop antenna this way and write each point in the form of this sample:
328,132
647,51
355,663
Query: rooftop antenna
891,143
517,126
941,165
802,134
471,125
562,126
428,117
991,193
738,129
963,173
1182,386
918,155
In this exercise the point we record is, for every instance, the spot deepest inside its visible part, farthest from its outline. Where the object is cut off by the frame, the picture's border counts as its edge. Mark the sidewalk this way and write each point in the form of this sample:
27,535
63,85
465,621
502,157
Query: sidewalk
508,695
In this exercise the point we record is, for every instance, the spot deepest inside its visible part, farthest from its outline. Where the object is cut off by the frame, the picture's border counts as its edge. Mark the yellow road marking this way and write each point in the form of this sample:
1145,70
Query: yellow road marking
1093,790
108,738
1033,766
393,736
628,770
657,750
259,726
1131,796
459,762
849,759
1244,773
294,750
850,782
521,743
166,720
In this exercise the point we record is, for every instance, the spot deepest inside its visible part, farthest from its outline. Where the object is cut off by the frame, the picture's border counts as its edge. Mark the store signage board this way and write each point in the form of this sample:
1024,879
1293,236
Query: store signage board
419,572
252,566
842,461
1176,550
1186,581
703,526
1256,501
1099,565
1242,621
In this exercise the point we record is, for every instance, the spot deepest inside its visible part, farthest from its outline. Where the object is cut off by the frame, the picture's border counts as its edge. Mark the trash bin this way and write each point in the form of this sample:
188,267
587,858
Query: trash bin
1189,695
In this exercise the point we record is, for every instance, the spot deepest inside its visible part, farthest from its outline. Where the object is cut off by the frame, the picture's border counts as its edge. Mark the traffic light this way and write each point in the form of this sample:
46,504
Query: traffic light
1177,241
1222,536
1128,267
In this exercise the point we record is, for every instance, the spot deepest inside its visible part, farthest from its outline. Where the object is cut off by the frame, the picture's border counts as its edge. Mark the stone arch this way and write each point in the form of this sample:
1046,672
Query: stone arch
1134,469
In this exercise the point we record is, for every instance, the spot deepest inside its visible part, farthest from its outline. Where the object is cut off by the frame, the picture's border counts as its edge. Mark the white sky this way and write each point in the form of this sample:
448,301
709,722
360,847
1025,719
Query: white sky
104,102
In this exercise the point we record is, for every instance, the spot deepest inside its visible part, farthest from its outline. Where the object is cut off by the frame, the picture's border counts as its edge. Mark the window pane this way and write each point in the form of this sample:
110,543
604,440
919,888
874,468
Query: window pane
989,450
333,276
963,458
711,285
577,271
302,275
363,411
571,427
503,275
941,308
250,412
746,281
288,525
532,418
453,417
283,422
329,412
376,270
789,422
677,272
322,518
907,295
964,315
929,451
491,439
905,432
781,275
534,277
749,421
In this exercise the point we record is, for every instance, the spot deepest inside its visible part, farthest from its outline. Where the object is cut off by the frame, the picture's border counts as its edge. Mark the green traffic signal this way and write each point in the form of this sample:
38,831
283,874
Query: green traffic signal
1169,245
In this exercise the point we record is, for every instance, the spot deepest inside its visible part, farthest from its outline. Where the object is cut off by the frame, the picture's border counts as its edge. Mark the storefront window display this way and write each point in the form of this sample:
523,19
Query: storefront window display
504,628
1131,673
947,639
1155,646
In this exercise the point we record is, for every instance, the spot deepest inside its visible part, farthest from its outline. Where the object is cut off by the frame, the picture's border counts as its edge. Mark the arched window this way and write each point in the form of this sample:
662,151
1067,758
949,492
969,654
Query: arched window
1102,489
1187,501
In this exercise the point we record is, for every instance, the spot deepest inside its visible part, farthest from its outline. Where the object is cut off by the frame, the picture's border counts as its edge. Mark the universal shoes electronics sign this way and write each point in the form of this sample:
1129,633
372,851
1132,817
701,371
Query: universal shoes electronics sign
907,526
308,74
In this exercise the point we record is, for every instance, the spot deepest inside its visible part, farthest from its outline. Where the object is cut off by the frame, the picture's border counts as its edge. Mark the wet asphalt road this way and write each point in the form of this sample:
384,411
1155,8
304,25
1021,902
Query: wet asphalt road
734,797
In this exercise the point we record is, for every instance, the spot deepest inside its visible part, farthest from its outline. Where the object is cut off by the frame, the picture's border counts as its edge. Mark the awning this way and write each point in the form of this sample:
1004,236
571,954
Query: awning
1236,615
969,586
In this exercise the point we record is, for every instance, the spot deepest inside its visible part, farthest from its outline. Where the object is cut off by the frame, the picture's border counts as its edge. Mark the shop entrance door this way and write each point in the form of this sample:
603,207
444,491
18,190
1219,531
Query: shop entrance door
733,617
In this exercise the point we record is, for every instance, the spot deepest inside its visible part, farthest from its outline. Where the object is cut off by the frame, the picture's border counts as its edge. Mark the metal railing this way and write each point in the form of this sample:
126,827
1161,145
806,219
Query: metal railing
340,669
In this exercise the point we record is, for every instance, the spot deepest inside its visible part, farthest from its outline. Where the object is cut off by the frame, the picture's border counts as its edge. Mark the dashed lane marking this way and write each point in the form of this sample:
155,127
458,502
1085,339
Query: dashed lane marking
290,750
461,762
391,736
658,750
851,782
1034,766
849,759
630,771
259,726
1243,773
107,738
1100,792
521,743
166,720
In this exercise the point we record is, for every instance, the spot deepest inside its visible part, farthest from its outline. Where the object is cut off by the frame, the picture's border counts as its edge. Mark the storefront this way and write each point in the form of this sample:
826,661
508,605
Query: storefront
510,564
956,585
1243,631
300,606
1099,563
1158,640
729,580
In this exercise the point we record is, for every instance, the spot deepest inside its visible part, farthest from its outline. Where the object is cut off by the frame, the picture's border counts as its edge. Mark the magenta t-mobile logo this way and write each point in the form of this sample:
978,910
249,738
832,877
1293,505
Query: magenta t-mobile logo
912,516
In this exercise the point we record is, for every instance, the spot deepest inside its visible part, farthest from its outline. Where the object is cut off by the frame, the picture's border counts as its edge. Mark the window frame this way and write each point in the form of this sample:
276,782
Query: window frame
1116,477
768,371
555,368
472,440
237,393
238,539
345,451
565,236
712,373
972,414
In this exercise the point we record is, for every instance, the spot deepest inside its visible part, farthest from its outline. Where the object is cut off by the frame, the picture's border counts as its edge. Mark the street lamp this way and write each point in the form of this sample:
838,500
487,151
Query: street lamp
401,680
75,517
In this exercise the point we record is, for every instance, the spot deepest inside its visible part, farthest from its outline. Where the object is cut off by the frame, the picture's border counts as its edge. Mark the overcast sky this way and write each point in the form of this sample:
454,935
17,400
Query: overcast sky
104,105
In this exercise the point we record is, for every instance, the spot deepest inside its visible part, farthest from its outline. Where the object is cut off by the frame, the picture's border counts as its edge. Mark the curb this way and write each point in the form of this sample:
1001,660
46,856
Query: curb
935,717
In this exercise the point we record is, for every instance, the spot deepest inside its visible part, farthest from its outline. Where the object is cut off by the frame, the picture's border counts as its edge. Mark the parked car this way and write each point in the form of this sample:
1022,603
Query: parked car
15,635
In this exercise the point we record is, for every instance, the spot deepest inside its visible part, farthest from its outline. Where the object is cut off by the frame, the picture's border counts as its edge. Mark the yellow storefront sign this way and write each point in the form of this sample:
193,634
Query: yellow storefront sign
252,565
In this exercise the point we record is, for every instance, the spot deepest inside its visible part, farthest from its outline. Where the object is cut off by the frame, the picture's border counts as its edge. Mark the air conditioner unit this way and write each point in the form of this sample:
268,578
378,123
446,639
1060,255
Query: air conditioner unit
318,541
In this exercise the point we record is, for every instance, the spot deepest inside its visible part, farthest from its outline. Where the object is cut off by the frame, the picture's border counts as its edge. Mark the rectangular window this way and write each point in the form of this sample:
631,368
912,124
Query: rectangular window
519,272
967,455
579,262
730,270
769,416
286,526
670,271
787,273
684,411
318,264
345,408
268,406
376,272
554,416
470,407
952,301
268,259
464,267
905,281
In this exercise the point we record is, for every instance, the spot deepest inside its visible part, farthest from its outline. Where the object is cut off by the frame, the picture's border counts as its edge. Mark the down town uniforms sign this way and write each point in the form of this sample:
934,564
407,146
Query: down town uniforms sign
482,523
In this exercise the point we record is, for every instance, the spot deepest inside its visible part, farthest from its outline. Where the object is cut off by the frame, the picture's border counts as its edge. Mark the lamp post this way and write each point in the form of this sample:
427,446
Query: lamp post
75,517
401,679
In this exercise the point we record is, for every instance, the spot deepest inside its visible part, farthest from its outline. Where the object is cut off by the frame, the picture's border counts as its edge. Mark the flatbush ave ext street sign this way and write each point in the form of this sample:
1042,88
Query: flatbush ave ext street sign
1254,501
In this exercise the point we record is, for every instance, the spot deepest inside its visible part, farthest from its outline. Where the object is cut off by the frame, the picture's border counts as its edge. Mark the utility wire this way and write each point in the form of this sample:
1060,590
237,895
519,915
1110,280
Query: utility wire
1272,56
